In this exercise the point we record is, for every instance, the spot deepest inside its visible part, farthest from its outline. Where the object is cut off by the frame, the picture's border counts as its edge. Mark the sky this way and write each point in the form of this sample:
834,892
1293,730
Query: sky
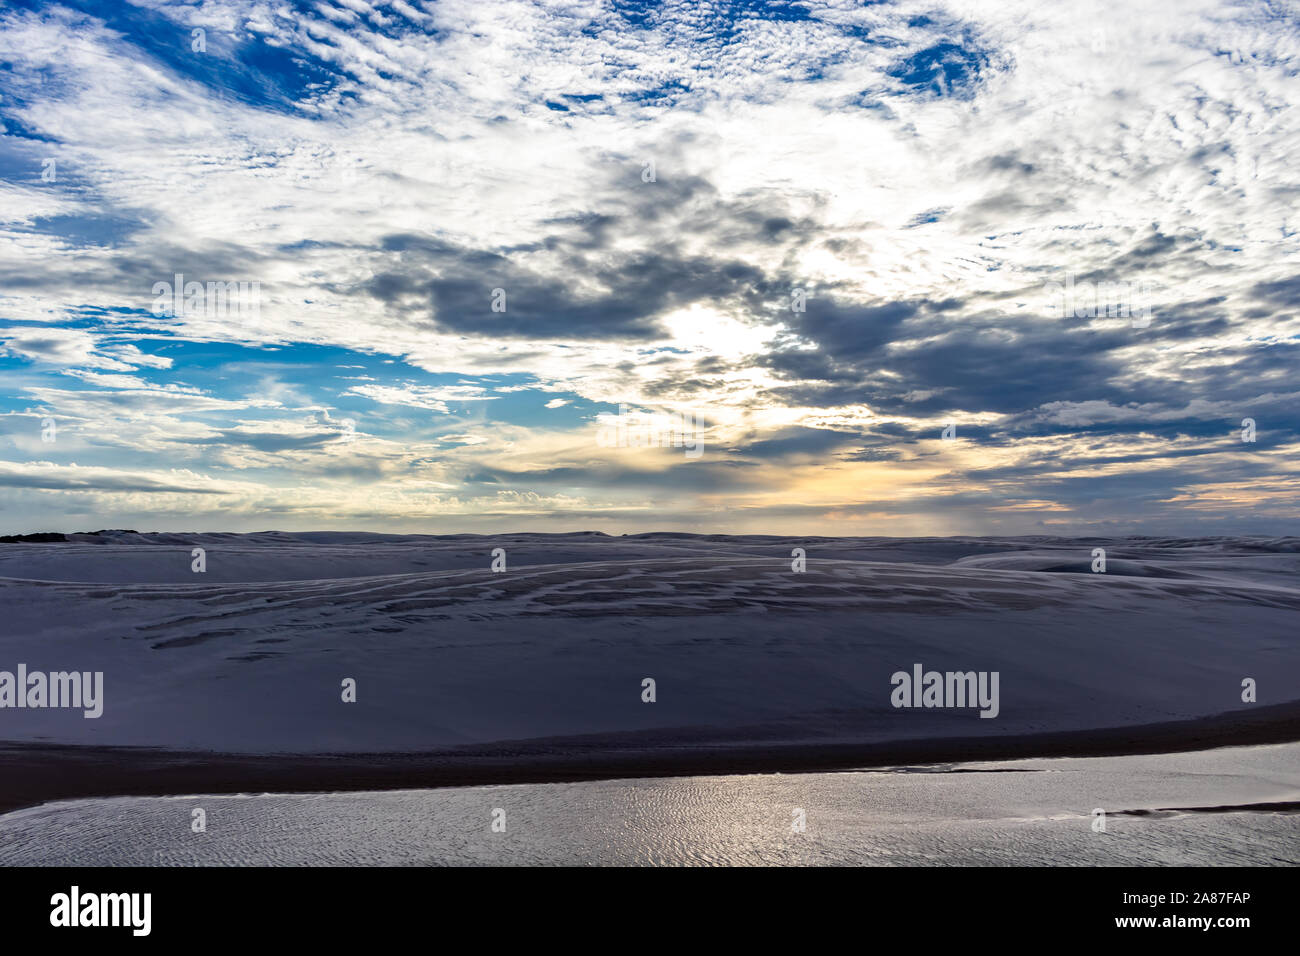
879,268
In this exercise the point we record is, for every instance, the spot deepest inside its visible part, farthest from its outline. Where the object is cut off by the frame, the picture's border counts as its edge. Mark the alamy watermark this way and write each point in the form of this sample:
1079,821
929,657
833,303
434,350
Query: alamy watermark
75,908
947,689
634,429
36,689
214,300
1092,300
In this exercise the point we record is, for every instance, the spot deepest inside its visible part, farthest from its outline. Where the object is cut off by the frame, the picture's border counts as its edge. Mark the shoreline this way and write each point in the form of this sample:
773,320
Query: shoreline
34,774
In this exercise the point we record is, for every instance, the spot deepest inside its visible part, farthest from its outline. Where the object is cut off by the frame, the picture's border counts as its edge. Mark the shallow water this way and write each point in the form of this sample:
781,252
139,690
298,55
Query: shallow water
1023,812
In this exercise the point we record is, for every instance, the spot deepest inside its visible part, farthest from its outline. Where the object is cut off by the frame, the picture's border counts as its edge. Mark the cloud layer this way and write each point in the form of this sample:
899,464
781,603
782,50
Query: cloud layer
906,268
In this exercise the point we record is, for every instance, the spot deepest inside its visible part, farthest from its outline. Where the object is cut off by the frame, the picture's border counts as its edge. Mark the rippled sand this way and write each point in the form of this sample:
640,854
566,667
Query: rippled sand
1025,812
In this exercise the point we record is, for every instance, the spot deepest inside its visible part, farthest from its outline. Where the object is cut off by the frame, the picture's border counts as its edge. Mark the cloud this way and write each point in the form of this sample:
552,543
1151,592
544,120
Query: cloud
51,476
827,229
422,396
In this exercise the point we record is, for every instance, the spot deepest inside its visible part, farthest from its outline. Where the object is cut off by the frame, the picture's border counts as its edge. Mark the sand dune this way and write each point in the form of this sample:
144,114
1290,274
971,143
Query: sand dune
250,655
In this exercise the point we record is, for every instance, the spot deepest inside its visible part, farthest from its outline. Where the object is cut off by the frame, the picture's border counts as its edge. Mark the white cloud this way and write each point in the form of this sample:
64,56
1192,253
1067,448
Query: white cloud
1102,137
421,396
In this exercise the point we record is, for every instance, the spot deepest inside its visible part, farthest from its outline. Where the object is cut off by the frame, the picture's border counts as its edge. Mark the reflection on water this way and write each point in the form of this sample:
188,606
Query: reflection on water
1007,813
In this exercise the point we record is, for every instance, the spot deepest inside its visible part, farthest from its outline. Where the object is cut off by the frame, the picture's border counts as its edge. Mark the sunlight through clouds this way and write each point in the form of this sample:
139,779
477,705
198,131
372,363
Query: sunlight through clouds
413,251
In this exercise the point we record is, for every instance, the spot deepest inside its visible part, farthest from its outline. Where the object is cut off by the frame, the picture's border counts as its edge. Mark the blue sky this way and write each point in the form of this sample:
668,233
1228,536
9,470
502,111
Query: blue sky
826,234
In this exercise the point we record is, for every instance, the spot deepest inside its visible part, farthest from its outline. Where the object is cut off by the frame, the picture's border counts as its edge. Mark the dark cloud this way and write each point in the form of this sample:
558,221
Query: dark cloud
268,441
458,286
796,441
62,480
1283,292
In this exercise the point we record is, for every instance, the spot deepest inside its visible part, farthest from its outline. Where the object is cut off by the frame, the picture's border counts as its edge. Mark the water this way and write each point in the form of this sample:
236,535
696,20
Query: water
1024,812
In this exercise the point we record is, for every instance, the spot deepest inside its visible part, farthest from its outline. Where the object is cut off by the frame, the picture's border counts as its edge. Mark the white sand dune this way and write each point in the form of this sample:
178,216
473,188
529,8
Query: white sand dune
250,655
1018,812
